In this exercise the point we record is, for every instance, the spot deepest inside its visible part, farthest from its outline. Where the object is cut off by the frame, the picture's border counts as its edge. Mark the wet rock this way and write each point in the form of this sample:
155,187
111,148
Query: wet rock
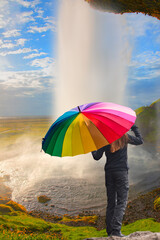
6,178
5,191
133,236
43,199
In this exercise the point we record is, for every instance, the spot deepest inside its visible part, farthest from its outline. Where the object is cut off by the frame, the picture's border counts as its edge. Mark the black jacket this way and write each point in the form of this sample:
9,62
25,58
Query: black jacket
117,161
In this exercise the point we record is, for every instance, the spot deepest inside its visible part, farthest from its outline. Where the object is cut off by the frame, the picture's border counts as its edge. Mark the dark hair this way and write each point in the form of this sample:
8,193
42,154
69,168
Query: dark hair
119,143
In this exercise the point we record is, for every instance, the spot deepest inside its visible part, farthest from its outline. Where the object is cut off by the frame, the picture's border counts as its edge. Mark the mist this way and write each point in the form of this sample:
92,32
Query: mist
73,183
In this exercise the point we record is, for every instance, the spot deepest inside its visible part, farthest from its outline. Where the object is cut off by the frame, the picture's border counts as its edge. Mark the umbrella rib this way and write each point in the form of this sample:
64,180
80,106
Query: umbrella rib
81,136
112,121
97,130
58,122
63,138
90,133
105,125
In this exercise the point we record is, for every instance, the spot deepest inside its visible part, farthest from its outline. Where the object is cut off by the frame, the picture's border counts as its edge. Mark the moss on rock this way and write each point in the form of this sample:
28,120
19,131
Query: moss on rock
16,206
7,210
43,199
157,204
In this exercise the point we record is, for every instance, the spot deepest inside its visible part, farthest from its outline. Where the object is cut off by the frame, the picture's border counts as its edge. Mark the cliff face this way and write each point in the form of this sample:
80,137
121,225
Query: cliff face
151,8
148,120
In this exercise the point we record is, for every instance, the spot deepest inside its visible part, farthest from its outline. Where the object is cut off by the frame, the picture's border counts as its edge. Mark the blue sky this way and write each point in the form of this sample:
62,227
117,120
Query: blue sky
28,48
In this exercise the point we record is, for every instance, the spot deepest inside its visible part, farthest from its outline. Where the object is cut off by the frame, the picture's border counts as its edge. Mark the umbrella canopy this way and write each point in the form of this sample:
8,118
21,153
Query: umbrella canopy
87,128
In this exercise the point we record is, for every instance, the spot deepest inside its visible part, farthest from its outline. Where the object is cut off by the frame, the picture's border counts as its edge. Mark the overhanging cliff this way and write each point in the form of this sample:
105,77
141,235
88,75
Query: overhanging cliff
147,7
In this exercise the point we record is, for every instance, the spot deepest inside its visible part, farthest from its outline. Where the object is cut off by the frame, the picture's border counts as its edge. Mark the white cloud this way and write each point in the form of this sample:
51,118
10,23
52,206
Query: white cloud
28,82
139,23
21,41
14,20
34,29
147,59
47,64
12,17
4,12
18,51
33,55
34,3
6,44
11,44
27,3
23,3
25,17
146,66
49,24
39,13
3,3
5,64
11,33
42,62
20,79
32,80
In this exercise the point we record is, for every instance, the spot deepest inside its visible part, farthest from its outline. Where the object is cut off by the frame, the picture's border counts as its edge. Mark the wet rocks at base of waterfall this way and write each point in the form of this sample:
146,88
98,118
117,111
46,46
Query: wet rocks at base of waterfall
43,199
133,236
5,191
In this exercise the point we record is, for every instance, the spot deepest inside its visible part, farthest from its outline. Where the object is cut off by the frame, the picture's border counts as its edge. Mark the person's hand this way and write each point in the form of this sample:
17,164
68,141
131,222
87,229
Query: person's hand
133,127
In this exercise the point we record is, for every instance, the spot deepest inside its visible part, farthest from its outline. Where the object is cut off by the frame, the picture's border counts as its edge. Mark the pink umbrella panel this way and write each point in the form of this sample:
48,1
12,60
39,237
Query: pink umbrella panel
87,128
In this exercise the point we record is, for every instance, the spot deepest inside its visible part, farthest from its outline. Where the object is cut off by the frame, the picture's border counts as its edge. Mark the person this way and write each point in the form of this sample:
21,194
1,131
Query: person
116,179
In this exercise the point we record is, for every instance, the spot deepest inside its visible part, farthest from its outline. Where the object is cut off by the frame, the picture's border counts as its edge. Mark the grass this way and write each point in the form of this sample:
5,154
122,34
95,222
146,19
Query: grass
12,129
142,225
24,226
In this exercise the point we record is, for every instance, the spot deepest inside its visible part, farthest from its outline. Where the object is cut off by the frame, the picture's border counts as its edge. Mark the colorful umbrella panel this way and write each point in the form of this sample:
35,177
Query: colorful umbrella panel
87,128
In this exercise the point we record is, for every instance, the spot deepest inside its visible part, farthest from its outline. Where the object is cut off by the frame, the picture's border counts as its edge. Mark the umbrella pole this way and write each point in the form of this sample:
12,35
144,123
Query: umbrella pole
79,109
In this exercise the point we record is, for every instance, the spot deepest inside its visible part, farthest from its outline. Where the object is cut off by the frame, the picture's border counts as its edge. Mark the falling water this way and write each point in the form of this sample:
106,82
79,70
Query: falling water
93,54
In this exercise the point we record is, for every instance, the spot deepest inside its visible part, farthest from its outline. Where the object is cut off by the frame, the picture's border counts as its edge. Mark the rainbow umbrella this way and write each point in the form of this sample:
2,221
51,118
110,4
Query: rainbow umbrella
87,128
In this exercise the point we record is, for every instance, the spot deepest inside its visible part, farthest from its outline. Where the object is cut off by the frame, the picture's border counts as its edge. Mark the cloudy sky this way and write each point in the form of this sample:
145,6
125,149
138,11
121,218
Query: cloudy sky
28,48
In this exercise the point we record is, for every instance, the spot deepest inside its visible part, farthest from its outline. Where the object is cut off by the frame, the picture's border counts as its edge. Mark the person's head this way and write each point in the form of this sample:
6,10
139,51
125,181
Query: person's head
119,143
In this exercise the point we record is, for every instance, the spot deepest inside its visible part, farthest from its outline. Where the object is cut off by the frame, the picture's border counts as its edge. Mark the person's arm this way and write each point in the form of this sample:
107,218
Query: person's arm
98,154
137,139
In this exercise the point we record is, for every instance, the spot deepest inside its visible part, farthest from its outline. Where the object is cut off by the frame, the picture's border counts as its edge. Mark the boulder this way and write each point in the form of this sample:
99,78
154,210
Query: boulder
133,236
43,199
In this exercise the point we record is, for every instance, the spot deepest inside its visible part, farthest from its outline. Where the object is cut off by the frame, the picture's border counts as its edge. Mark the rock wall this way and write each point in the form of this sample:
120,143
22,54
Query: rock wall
148,7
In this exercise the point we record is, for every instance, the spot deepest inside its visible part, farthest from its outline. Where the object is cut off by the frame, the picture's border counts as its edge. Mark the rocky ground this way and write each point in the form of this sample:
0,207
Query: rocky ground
141,207
133,236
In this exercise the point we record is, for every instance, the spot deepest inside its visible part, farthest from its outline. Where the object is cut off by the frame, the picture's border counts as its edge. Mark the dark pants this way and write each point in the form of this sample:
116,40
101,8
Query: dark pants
117,195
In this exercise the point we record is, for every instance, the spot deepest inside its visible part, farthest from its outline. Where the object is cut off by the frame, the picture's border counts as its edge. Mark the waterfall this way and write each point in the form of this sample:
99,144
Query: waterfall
93,53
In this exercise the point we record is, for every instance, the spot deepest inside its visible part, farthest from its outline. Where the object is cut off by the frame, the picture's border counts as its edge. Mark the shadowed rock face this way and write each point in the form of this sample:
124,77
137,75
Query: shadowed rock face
151,8
133,236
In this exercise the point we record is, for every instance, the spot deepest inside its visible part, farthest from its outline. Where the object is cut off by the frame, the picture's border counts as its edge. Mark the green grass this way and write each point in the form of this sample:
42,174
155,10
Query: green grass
21,225
142,225
24,226
12,129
